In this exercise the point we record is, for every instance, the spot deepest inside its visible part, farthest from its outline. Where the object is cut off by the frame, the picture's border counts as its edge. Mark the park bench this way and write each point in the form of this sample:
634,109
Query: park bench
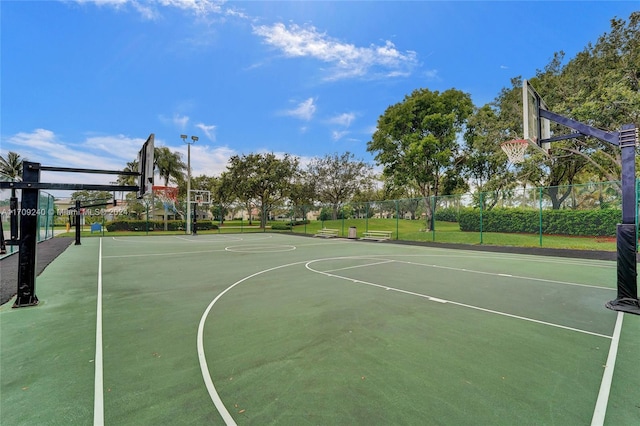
377,235
327,233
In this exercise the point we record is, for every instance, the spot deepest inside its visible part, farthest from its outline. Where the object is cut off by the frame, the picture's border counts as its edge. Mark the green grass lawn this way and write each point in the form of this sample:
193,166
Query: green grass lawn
449,232
405,230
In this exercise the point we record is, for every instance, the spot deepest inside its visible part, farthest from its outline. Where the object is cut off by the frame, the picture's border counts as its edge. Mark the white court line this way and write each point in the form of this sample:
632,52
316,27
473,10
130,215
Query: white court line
361,266
98,397
176,253
455,253
221,239
474,272
204,368
607,376
464,305
507,275
205,238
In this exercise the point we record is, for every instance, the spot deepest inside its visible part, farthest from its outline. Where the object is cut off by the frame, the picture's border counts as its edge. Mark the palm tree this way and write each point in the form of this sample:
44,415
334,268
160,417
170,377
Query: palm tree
132,166
170,165
12,165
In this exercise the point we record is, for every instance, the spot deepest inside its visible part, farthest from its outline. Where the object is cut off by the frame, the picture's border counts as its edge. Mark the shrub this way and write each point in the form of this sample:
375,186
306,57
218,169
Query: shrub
155,225
561,222
281,226
447,214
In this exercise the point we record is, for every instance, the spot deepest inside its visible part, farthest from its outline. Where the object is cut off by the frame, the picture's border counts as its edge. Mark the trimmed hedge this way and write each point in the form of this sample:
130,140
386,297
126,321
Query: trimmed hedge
155,225
448,214
281,226
592,223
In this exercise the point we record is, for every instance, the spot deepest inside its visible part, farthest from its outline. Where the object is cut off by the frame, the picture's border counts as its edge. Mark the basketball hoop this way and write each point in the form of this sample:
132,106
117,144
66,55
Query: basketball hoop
168,195
515,150
201,197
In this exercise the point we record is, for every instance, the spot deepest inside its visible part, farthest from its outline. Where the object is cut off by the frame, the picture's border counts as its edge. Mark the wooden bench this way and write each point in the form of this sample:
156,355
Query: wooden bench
327,233
377,235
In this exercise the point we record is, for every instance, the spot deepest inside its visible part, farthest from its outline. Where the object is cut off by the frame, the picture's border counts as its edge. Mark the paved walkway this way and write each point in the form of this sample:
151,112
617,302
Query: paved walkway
47,251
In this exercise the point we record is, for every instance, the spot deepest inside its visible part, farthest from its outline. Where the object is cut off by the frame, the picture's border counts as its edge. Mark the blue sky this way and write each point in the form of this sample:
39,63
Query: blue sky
85,82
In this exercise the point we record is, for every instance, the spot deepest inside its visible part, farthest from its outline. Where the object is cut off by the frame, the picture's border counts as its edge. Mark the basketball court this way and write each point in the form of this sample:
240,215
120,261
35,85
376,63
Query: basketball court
284,329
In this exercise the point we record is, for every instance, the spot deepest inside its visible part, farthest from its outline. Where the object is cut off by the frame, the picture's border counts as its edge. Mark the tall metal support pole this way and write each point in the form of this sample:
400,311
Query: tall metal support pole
193,140
627,296
188,188
28,237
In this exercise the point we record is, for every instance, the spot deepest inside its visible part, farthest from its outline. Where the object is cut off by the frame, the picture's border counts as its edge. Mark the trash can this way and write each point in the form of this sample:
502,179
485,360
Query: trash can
353,232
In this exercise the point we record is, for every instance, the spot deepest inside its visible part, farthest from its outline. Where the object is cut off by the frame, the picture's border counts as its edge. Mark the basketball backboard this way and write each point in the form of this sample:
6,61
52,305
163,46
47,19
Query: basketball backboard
201,196
146,166
535,128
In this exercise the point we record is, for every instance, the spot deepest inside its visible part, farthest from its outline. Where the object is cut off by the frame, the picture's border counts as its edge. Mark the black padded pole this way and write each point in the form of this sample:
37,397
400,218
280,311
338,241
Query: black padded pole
627,297
28,238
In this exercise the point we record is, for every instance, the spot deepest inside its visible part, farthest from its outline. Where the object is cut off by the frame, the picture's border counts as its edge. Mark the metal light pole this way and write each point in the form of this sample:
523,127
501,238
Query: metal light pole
193,140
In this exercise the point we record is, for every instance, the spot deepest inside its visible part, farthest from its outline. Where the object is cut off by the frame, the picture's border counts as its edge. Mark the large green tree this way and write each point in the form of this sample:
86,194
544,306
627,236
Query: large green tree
263,179
486,167
88,197
223,196
337,178
417,139
302,194
601,87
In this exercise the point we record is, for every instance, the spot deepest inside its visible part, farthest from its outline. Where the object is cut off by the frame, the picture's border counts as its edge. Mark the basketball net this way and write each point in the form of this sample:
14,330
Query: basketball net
515,150
168,195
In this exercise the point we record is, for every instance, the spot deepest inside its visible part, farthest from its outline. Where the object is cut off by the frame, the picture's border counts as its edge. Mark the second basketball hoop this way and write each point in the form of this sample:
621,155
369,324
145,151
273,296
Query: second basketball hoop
515,150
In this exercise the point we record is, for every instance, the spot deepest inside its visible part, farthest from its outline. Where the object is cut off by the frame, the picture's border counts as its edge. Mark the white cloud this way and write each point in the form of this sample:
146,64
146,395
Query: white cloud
337,135
345,119
304,110
206,160
432,74
149,8
180,121
96,152
347,59
208,131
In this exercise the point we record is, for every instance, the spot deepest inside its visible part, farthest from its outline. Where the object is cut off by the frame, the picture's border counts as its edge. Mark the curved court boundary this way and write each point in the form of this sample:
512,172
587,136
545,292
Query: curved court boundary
204,368
452,302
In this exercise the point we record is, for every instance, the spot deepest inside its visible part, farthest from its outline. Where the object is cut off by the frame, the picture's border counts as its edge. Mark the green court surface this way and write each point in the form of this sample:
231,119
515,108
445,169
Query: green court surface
259,329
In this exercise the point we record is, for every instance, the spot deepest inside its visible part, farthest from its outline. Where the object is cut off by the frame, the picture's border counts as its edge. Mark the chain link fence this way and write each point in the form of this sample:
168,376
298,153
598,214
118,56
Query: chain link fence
574,216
